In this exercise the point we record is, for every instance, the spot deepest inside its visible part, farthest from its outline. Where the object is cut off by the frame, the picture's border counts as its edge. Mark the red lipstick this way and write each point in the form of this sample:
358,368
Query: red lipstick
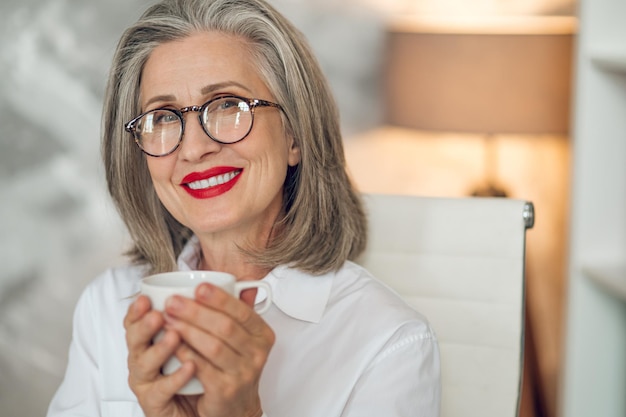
205,183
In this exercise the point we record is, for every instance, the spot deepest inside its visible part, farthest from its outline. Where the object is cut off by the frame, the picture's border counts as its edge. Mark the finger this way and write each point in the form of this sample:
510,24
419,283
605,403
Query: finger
218,299
169,385
139,333
225,385
208,320
146,365
136,310
220,353
158,394
211,376
248,296
204,370
254,340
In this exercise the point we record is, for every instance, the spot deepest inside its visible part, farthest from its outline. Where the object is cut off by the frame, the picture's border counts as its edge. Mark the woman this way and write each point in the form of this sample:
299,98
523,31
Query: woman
223,152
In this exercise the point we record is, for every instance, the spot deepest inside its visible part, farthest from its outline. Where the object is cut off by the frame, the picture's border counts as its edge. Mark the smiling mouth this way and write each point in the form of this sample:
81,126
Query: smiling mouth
213,181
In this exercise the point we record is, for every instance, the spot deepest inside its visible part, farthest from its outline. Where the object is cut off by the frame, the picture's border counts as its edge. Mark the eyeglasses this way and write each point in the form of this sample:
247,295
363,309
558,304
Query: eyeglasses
225,119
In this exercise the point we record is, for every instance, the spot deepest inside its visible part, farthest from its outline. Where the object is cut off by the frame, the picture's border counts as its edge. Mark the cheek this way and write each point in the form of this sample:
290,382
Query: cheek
159,169
269,149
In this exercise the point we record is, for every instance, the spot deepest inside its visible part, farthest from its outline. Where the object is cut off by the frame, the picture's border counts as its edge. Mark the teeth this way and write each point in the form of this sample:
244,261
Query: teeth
213,181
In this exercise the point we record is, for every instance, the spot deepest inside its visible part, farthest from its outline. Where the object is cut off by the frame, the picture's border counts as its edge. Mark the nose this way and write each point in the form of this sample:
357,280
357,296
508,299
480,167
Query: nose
196,144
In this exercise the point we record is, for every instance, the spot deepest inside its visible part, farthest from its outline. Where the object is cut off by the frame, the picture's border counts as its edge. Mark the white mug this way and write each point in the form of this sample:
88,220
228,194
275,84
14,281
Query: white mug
158,288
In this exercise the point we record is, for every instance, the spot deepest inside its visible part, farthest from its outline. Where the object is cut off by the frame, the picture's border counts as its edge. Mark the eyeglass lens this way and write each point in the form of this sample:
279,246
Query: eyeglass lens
225,120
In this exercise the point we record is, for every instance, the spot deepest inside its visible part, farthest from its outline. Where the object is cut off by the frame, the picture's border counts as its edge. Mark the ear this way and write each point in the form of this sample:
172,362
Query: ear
294,156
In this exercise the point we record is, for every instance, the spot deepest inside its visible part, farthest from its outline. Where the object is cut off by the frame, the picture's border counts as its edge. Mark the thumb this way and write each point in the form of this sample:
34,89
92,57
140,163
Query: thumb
248,296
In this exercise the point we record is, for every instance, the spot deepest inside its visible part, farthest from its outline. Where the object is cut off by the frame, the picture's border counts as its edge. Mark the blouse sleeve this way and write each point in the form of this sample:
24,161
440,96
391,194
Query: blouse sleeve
402,381
78,394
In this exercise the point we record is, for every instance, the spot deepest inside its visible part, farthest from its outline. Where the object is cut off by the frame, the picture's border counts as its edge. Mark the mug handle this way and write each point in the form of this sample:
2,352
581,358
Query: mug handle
244,285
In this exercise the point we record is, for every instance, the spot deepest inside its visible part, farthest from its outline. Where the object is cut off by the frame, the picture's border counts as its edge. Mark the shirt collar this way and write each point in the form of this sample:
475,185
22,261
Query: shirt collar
296,293
189,257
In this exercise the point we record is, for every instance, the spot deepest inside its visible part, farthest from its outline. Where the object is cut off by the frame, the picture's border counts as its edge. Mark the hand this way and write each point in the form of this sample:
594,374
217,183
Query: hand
228,344
156,393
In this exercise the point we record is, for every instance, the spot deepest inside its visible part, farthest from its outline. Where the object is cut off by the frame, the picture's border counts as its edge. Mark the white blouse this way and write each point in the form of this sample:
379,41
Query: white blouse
346,345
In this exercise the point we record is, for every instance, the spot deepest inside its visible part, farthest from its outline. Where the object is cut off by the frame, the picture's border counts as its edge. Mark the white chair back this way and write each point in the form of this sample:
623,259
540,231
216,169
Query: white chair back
460,262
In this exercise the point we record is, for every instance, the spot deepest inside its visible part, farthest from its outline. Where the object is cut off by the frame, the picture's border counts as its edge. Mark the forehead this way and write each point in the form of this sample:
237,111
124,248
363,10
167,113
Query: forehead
187,66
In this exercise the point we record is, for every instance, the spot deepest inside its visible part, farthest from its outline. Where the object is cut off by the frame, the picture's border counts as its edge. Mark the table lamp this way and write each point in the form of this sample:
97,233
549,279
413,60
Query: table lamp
490,76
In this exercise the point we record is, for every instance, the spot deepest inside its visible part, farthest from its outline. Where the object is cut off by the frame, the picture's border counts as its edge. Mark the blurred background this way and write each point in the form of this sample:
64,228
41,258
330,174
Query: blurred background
521,98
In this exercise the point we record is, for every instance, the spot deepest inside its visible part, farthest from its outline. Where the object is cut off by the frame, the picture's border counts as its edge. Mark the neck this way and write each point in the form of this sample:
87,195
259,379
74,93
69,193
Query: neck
223,252
229,258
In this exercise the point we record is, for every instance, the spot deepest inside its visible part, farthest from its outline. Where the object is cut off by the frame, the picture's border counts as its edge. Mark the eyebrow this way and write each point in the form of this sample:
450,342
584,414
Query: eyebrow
204,91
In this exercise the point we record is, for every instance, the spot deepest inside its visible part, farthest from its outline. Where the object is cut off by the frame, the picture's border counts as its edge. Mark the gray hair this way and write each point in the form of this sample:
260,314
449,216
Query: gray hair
323,223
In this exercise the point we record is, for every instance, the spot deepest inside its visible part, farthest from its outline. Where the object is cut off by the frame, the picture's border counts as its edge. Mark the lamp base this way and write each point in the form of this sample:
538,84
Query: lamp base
491,190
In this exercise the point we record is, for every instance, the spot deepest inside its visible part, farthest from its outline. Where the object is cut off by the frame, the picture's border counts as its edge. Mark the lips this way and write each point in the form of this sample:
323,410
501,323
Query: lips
211,183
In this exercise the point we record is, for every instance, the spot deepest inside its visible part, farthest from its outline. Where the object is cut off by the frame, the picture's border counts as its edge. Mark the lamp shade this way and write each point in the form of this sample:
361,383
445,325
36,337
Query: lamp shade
495,75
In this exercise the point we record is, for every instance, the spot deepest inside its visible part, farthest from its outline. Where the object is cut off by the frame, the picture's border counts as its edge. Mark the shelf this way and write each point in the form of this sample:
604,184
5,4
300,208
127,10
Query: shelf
610,60
611,278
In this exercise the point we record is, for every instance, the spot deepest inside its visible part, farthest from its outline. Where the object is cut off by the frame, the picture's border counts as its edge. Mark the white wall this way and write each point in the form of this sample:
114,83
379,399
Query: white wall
57,229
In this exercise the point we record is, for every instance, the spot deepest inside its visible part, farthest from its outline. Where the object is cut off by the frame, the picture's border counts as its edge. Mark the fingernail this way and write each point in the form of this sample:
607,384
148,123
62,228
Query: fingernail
204,291
169,320
136,308
173,303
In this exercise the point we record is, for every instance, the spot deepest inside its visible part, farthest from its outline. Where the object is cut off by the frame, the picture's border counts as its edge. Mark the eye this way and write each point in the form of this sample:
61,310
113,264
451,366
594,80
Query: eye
162,117
227,103
156,121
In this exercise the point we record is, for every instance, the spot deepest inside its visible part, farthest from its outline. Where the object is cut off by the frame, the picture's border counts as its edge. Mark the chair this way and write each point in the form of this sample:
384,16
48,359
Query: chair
460,262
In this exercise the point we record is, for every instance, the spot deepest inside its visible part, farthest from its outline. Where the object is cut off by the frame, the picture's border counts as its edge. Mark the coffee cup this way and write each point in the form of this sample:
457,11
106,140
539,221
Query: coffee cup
159,287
